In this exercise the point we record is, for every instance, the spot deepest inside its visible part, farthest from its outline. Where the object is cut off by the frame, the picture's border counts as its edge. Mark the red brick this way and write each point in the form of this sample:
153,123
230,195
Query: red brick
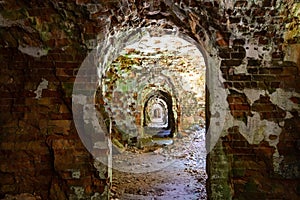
27,93
240,3
5,94
83,1
61,116
6,101
50,93
238,114
244,107
295,100
239,85
239,55
290,71
263,40
264,78
239,77
231,62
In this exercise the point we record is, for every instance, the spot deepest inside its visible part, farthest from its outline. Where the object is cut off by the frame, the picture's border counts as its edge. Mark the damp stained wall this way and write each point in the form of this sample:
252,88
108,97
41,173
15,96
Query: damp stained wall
252,62
167,63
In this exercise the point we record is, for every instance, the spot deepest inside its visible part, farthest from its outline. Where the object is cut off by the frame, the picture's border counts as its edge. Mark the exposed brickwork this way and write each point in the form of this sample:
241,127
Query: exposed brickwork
252,173
43,43
288,147
239,106
267,110
38,136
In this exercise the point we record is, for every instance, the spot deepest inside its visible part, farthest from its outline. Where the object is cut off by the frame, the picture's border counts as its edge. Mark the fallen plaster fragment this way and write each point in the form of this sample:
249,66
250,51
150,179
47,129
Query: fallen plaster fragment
4,22
33,51
42,85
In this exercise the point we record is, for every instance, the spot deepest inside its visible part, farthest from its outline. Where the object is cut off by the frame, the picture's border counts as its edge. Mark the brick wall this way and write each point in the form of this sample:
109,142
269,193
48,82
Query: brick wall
40,150
252,53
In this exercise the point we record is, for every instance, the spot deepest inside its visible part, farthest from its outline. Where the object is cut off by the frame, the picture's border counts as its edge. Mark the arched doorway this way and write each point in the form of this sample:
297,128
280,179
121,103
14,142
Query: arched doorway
155,94
158,114
111,46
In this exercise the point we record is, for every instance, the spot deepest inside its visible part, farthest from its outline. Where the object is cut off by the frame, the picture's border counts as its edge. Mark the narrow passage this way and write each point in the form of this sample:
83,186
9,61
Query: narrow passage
181,169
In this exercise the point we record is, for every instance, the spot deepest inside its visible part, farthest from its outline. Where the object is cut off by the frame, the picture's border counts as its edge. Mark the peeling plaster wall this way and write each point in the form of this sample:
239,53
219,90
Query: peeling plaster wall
133,76
251,50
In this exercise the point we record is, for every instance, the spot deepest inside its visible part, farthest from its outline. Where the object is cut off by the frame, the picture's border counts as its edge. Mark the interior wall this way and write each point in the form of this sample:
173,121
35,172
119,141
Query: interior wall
134,77
252,59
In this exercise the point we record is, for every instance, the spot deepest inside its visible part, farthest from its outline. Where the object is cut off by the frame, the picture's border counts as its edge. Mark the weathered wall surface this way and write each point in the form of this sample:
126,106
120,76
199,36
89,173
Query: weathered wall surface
252,51
41,52
139,72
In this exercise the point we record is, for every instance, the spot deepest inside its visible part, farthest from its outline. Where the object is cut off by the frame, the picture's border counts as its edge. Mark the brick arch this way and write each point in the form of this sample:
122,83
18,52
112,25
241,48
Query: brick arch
53,36
109,48
168,99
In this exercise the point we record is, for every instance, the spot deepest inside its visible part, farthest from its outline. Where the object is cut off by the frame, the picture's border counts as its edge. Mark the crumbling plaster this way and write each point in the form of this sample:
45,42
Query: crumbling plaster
165,63
109,46
220,119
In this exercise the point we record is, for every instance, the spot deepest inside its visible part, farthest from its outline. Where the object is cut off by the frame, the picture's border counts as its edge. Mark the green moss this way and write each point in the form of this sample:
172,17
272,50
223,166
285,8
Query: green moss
238,172
221,190
271,90
45,36
68,88
251,186
43,28
144,141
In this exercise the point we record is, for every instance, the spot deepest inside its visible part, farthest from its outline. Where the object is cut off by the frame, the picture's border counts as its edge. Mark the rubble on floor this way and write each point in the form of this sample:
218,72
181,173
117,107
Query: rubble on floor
175,171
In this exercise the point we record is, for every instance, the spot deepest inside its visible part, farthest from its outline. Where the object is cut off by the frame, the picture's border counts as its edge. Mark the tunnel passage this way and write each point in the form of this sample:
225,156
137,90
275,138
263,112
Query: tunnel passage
156,84
158,115
252,47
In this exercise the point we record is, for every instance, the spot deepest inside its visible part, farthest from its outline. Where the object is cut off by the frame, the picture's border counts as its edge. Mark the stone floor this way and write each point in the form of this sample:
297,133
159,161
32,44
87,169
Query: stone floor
173,171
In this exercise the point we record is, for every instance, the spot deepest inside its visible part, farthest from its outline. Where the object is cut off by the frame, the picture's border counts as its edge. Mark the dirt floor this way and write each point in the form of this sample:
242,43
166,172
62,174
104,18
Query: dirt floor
171,171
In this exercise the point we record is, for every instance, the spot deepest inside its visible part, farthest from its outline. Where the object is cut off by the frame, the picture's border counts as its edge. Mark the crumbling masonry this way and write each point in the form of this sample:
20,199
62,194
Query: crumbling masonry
252,57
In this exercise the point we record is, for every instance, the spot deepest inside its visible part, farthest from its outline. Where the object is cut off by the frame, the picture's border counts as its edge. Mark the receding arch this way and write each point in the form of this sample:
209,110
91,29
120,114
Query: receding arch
167,98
